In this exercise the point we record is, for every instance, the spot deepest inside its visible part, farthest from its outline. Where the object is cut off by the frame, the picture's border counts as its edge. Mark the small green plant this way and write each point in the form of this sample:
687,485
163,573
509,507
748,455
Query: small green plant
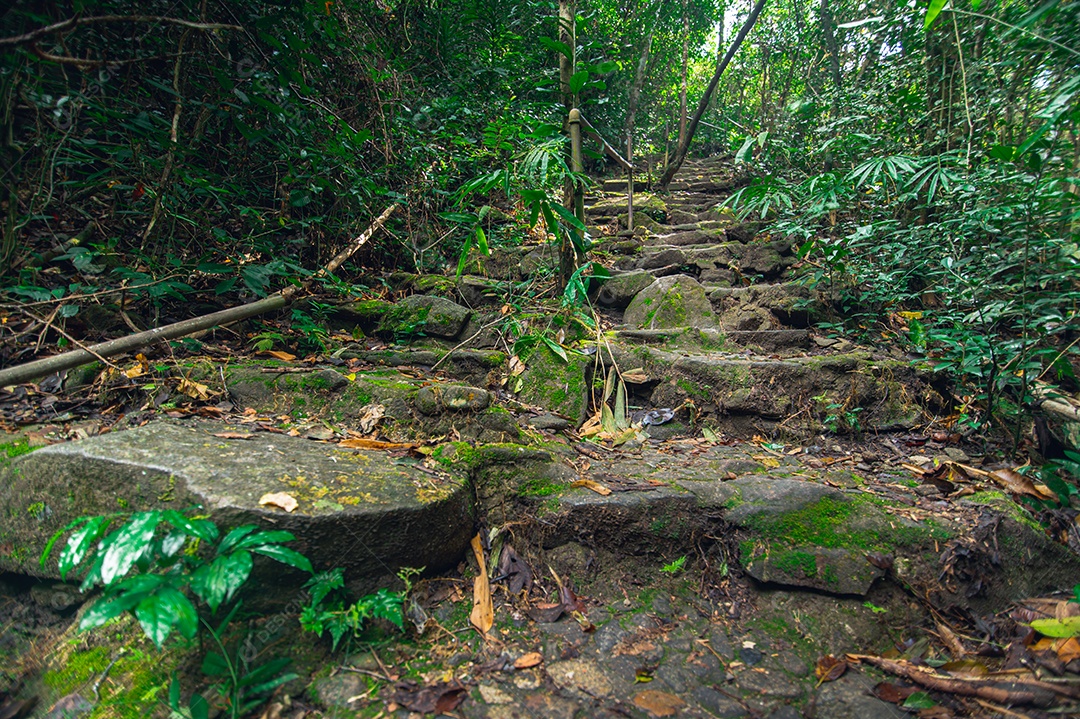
874,608
674,567
148,566
265,341
330,610
837,418
315,335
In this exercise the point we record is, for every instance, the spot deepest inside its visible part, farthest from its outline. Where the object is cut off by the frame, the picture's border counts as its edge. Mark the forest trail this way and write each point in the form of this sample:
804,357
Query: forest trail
728,494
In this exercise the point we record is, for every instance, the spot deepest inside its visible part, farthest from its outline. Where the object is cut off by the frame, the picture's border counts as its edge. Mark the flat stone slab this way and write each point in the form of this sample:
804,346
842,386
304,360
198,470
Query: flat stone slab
369,512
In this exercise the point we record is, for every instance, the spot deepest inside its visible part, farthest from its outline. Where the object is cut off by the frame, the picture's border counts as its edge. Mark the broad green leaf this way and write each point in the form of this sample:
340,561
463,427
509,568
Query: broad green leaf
215,665
744,151
124,546
919,700
481,241
569,217
233,537
109,607
204,529
80,542
560,47
936,6
263,672
216,582
463,257
620,406
52,540
606,67
555,347
266,687
159,612
1058,628
578,80
273,537
285,556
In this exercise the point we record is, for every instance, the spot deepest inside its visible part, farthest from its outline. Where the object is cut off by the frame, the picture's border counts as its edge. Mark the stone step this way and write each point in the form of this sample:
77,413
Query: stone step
367,511
619,185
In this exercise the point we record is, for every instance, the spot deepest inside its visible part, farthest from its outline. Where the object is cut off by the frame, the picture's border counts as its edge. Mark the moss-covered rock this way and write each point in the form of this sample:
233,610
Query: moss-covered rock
675,301
426,315
556,384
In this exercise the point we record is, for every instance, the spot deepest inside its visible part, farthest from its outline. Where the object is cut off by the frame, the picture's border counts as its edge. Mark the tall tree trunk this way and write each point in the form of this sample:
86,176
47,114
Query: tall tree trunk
828,31
567,35
685,70
639,83
680,153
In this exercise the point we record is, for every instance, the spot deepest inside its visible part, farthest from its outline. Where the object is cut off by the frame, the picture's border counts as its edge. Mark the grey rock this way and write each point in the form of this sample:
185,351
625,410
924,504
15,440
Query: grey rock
849,698
548,421
620,289
328,379
362,511
435,399
56,596
436,316
336,691
718,704
676,301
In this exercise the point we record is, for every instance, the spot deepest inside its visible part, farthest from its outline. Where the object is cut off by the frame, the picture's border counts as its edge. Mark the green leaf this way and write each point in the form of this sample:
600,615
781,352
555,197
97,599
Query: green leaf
204,529
560,47
216,582
199,707
481,241
263,672
233,537
273,537
80,542
936,6
1058,628
215,665
744,152
124,546
463,258
109,607
578,80
159,612
555,347
919,700
388,605
285,556
52,540
606,67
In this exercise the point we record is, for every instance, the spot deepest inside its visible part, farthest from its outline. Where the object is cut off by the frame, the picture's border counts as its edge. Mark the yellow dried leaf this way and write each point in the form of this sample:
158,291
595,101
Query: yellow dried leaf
483,612
594,486
281,500
192,389
278,354
529,660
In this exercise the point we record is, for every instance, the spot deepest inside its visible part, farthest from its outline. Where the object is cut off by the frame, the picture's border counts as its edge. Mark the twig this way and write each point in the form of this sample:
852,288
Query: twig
72,23
464,342
71,339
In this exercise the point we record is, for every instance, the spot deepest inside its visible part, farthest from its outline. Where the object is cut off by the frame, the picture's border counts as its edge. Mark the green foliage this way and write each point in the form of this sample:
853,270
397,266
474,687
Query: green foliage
166,554
674,567
330,611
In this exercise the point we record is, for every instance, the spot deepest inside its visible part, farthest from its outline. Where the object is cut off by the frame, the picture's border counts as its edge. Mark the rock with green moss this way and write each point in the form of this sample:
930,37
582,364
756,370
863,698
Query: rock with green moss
556,384
427,315
434,399
809,535
619,290
364,511
675,301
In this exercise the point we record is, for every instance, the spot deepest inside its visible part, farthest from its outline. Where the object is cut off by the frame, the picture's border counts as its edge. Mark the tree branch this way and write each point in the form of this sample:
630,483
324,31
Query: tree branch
71,23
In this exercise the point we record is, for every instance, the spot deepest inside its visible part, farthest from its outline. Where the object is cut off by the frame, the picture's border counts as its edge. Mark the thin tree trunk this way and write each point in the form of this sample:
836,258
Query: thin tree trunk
680,153
567,35
685,71
830,44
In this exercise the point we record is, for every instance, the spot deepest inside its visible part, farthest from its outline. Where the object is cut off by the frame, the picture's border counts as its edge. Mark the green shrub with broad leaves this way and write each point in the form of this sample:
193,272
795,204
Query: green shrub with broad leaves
171,571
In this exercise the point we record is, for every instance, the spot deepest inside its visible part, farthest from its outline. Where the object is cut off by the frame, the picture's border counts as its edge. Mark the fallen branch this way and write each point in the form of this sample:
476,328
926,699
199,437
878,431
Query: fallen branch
74,22
1021,691
42,367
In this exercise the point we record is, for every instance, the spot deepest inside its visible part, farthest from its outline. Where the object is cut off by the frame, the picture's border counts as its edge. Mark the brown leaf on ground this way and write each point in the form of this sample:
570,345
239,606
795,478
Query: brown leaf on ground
658,704
483,613
278,354
594,486
360,443
527,661
829,668
518,574
437,698
1017,483
892,693
233,435
546,613
281,500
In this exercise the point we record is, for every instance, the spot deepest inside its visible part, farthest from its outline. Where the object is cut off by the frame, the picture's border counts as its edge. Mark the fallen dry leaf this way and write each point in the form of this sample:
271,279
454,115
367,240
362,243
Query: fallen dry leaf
483,613
233,435
635,376
277,354
370,416
1017,483
892,693
192,389
360,443
516,366
282,500
526,661
829,669
658,704
438,698
594,486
